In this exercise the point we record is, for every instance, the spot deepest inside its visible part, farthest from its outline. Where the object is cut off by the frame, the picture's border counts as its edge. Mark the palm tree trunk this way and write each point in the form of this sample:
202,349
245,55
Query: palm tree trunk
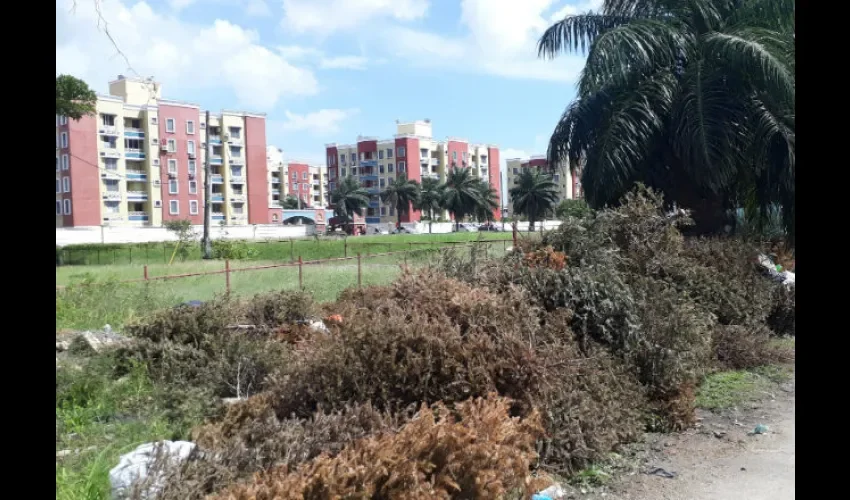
531,224
430,219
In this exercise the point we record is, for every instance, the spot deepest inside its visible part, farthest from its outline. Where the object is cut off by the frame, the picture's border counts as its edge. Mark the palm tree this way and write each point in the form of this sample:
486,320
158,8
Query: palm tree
290,202
695,98
534,195
431,193
349,198
401,193
488,200
461,193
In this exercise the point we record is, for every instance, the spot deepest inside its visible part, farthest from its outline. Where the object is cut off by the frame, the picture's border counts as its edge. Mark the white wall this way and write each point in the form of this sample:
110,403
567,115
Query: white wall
118,234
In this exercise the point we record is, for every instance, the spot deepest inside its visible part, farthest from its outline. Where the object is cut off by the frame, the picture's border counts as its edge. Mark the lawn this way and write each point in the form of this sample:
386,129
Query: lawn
307,248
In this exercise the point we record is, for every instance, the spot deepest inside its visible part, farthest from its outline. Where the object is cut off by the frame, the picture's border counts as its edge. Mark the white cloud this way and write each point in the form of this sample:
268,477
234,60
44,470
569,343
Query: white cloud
258,8
322,122
326,16
344,62
573,9
182,56
501,39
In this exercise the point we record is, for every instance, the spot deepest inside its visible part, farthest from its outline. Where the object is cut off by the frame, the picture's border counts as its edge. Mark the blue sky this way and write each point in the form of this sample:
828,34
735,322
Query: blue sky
328,70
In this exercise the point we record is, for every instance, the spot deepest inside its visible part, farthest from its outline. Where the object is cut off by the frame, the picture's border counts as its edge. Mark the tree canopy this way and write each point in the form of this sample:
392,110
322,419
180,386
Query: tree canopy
74,98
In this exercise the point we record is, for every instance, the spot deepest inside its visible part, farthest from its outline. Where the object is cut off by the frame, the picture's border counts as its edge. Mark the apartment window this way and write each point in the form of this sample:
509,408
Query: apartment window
557,178
153,120
235,152
390,168
389,152
172,166
401,166
392,211
110,163
390,181
295,186
66,162
190,127
381,182
108,120
67,206
353,170
58,187
401,151
173,207
239,209
381,169
516,171
63,120
193,169
58,207
354,158
170,125
190,147
342,172
380,154
294,176
111,185
63,142
193,187
113,207
193,207
235,132
423,153
172,186
66,184
172,146
383,211
304,176
342,159
454,155
236,171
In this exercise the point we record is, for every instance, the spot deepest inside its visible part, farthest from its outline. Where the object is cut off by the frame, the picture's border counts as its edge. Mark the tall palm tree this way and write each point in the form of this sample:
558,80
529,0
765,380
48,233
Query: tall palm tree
401,193
488,200
349,198
461,193
695,98
431,194
534,195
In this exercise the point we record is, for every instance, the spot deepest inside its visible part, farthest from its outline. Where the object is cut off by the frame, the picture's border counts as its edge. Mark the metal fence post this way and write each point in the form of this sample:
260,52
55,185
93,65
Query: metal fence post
146,272
359,273
131,255
227,274
345,247
300,273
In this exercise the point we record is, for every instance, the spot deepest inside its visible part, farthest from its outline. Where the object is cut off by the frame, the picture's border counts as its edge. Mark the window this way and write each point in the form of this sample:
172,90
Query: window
239,209
423,153
294,176
454,155
113,207
66,184
111,185
58,188
342,159
516,171
557,177
383,211
193,169
58,207
381,181
111,163
342,172
401,166
169,125
190,147
64,140
401,151
381,154
67,206
193,207
172,166
172,186
57,163
390,168
190,127
381,169
304,176
172,146
392,211
235,132
173,207
108,120
389,152
235,152
153,120
63,120
193,187
353,170
295,186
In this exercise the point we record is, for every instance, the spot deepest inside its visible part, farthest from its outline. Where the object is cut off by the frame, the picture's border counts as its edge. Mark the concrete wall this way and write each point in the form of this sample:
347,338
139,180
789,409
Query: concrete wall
126,234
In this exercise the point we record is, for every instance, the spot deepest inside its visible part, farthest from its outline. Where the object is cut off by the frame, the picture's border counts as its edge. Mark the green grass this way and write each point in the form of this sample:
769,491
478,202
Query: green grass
307,248
729,389
99,418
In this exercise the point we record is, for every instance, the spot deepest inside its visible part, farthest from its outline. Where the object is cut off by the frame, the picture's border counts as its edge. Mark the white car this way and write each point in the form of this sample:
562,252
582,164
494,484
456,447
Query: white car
465,227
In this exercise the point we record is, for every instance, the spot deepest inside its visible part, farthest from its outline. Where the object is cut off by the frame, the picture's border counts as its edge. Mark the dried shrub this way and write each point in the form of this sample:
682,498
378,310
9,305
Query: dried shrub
783,317
675,409
546,257
278,308
477,451
741,347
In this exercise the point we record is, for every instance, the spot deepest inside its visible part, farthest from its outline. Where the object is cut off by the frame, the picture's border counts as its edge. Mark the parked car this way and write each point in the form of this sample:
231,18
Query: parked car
466,227
489,227
404,230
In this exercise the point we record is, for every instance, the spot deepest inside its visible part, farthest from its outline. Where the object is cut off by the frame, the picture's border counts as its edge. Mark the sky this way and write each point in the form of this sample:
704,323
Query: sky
329,70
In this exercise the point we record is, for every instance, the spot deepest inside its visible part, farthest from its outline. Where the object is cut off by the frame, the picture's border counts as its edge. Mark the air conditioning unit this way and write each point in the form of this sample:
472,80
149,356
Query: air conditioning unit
155,141
192,155
225,137
153,119
155,162
172,174
191,175
103,153
157,182
157,204
164,147
103,174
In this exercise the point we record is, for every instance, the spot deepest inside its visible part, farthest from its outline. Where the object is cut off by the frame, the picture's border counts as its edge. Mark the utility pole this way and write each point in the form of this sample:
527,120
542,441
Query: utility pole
207,243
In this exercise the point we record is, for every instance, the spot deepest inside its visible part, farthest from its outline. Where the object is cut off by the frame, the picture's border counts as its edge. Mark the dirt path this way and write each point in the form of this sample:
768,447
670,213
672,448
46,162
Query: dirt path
721,459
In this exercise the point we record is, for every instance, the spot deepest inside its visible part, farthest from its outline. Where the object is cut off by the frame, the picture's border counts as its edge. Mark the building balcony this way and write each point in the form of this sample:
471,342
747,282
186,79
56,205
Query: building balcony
134,133
237,198
110,174
215,139
373,220
237,179
373,190
216,179
237,160
374,204
134,154
368,163
108,130
138,216
435,162
217,216
275,191
109,152
112,195
137,175
137,196
215,160
369,177
235,141
217,197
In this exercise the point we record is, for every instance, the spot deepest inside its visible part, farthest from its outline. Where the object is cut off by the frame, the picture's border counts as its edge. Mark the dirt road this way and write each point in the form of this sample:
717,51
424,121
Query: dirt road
722,459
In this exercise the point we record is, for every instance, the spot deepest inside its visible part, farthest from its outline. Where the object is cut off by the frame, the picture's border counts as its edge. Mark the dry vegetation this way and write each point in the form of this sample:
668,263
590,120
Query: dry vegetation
470,379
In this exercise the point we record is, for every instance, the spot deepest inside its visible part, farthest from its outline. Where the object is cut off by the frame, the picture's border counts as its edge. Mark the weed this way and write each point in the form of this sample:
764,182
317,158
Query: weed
731,388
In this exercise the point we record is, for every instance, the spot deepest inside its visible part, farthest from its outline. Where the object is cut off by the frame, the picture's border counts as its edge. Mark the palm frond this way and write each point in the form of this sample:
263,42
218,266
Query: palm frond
775,15
576,32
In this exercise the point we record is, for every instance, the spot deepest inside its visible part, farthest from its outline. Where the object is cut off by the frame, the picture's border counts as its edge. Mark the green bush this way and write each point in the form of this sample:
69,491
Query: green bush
233,250
572,208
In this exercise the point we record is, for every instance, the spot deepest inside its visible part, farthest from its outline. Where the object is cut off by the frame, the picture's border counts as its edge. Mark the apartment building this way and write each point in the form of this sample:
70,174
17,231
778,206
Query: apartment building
275,174
309,183
414,152
568,185
139,162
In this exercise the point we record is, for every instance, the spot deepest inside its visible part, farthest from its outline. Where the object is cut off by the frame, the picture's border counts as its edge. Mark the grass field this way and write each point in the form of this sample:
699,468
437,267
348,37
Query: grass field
307,249
95,297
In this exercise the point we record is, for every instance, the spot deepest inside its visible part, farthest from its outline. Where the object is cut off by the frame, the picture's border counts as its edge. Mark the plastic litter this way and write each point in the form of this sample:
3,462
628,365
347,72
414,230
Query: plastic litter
760,429
135,466
554,492
658,471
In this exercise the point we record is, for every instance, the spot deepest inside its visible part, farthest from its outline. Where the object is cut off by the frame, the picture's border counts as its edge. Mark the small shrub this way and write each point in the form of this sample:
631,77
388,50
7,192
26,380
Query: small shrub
783,317
546,257
187,324
742,347
480,453
278,308
233,249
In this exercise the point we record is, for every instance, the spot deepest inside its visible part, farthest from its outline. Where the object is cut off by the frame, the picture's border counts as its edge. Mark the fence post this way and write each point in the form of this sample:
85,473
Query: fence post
359,273
300,273
345,247
291,251
514,230
114,250
505,245
146,272
227,274
131,255
98,256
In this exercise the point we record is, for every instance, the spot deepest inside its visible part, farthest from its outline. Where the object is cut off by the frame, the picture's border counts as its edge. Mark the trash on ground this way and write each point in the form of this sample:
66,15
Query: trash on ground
554,492
191,303
135,466
658,471
760,429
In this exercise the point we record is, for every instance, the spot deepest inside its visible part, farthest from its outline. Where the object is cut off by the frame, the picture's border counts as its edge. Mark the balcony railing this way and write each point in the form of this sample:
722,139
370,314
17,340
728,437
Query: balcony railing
136,175
138,216
215,160
237,197
237,179
108,130
237,160
137,196
112,195
215,139
110,151
368,163
217,197
275,191
133,132
217,216
134,154
216,179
